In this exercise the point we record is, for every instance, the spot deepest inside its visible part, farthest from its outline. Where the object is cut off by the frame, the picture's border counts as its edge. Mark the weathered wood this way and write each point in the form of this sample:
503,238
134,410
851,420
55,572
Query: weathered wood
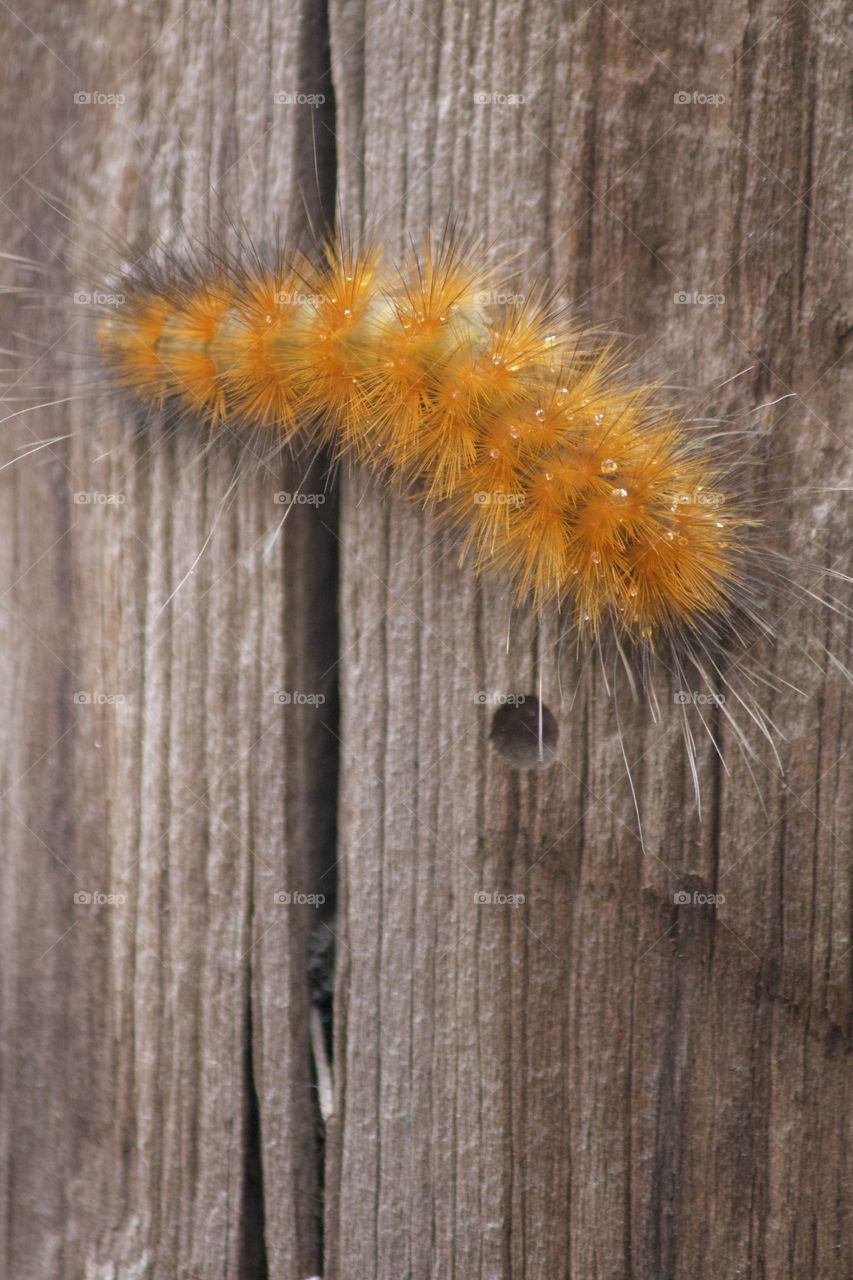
598,1083
153,1047
595,1082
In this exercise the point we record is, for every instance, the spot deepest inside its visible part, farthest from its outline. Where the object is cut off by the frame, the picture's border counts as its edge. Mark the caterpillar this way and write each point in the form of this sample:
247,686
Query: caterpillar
591,494
582,489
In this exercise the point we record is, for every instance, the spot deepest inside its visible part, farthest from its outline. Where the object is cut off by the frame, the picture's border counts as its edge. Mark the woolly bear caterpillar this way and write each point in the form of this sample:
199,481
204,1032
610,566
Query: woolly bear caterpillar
580,487
589,493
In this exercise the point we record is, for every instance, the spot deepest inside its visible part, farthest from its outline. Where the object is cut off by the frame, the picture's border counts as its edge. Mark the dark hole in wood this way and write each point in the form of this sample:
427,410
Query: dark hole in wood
524,733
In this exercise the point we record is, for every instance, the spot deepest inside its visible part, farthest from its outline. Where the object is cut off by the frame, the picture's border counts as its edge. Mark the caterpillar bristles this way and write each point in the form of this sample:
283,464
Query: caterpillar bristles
522,429
582,489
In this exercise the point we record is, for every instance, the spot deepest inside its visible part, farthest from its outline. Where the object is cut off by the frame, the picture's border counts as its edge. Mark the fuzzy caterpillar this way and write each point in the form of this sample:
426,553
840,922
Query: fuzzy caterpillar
587,492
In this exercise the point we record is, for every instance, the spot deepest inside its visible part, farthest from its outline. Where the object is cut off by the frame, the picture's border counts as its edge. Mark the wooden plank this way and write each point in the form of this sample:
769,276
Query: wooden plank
598,1082
593,1082
160,1112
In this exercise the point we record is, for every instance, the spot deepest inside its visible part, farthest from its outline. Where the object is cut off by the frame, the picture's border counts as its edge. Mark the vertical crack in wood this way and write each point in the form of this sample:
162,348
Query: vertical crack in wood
253,1264
322,644
311,609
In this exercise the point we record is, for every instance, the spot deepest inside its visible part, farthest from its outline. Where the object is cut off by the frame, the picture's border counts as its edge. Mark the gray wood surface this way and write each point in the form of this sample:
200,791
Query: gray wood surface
596,1082
152,1047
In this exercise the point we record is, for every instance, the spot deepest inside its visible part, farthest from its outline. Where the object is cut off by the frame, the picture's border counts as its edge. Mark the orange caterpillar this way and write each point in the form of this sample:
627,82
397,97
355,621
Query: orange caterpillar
584,490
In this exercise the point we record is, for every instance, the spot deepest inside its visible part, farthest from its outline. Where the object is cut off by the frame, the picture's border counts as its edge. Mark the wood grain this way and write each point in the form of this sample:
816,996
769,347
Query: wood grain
156,1047
598,1082
588,1081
